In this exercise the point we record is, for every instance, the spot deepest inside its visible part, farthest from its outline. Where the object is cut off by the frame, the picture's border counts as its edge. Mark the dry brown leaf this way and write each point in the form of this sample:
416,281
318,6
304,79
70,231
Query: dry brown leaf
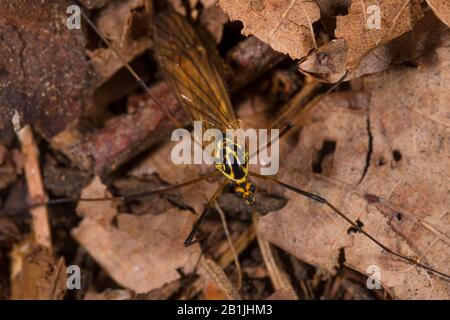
35,273
441,9
211,291
116,294
215,273
101,211
397,17
389,170
118,22
286,25
213,19
329,62
143,252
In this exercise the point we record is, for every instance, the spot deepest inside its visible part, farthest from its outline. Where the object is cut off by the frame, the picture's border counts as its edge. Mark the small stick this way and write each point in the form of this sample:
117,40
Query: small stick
278,276
230,242
245,238
40,222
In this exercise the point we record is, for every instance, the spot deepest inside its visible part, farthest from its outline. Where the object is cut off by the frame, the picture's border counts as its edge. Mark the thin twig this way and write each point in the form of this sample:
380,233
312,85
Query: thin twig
231,245
246,237
280,279
40,222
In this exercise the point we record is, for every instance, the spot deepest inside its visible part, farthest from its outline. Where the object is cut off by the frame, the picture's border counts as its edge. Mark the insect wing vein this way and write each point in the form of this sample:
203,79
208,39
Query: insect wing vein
191,73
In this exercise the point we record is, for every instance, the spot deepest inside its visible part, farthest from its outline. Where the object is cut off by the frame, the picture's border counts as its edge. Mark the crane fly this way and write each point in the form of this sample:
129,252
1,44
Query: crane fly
196,80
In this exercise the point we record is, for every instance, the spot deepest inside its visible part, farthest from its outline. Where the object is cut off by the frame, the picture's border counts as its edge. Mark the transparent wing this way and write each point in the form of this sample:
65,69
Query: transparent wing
191,73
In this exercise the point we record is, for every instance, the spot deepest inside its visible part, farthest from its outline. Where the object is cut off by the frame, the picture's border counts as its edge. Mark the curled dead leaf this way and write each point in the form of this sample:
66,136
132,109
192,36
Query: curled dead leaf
287,26
362,35
330,61
119,23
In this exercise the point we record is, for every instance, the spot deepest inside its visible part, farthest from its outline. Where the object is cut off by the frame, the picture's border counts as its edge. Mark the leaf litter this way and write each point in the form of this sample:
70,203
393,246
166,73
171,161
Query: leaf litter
123,251
405,130
376,149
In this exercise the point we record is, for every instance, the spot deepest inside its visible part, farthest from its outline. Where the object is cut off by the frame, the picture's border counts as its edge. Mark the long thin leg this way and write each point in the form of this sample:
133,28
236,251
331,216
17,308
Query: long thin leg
129,68
190,238
351,222
305,110
129,197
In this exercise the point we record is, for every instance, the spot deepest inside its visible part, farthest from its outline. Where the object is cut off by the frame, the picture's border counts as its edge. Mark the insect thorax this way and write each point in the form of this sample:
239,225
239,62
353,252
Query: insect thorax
231,160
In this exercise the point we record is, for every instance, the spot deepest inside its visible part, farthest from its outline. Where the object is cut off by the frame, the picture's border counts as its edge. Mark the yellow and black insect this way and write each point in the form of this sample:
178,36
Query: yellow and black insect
196,80
201,92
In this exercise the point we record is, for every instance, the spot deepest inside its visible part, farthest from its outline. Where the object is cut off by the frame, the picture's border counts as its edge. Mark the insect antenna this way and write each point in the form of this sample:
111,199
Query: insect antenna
127,66
355,225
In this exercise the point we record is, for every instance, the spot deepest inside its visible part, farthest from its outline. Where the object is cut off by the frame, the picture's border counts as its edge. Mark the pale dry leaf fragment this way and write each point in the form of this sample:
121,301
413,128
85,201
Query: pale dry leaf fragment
398,189
100,211
143,252
214,19
35,273
286,25
363,32
441,9
328,62
121,23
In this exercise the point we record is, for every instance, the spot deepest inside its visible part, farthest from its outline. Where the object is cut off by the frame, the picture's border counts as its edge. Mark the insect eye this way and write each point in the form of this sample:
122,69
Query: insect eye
252,188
